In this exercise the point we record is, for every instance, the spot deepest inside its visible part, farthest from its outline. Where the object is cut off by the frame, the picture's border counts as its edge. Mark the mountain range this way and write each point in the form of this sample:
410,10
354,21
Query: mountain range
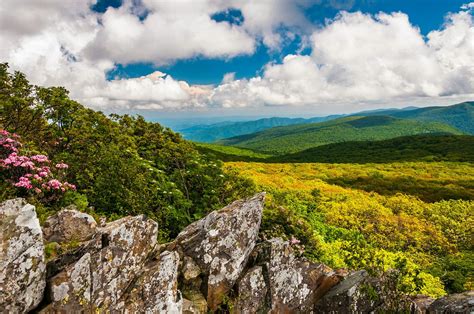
294,138
460,116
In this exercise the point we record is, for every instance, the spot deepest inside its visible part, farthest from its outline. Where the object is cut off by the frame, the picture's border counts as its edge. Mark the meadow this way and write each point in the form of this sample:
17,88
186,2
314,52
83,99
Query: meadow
414,216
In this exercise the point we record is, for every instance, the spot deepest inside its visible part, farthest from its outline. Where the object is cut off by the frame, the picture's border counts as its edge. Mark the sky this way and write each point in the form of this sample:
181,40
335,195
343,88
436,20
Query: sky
237,58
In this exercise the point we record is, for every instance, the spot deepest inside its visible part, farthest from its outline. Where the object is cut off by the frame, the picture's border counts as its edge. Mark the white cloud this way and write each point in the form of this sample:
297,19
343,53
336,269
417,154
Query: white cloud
355,59
170,31
358,57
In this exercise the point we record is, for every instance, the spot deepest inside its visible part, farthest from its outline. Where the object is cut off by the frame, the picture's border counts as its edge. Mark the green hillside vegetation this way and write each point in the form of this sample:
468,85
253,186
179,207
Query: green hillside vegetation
406,148
121,165
290,139
460,116
230,153
414,216
213,132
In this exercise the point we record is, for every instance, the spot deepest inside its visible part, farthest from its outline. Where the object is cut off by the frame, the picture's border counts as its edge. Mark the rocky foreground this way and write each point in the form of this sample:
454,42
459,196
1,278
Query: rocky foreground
215,264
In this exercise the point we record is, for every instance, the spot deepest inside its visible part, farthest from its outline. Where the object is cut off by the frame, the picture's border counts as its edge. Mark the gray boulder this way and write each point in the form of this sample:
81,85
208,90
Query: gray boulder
281,282
454,303
22,262
221,243
98,280
69,225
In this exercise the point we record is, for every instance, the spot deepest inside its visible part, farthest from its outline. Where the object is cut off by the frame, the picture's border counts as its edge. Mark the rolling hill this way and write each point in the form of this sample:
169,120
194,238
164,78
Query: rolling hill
460,116
217,131
294,138
406,148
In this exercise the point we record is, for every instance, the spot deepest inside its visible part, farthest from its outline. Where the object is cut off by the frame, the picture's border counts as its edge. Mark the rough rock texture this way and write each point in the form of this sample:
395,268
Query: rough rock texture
215,264
221,243
156,290
99,280
352,295
455,303
252,292
69,225
281,282
22,266
420,304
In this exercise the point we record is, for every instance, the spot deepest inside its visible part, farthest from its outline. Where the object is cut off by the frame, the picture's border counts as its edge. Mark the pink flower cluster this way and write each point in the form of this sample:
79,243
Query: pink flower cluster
30,173
8,142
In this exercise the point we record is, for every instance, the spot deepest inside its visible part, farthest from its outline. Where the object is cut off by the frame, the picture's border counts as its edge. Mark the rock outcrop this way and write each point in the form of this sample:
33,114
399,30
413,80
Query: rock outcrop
282,282
215,264
22,262
455,303
221,243
69,225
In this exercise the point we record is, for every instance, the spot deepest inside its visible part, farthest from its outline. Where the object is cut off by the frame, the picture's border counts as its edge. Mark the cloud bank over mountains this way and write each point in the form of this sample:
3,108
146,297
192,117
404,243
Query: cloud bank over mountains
354,58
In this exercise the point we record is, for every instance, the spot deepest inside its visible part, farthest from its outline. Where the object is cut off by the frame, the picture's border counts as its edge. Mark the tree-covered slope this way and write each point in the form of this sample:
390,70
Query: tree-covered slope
213,132
119,164
230,153
406,148
290,139
460,116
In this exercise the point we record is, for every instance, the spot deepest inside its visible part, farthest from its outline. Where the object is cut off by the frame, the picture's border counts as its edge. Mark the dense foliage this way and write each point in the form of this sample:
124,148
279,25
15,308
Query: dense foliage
399,217
290,139
406,148
459,116
231,153
120,165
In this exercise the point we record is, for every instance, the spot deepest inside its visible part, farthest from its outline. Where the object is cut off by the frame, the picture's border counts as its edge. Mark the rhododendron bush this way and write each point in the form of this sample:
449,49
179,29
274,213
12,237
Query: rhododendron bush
31,175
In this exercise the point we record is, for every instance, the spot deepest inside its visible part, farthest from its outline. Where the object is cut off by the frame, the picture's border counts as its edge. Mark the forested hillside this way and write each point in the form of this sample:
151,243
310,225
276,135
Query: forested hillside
289,139
119,165
412,216
406,148
415,217
460,116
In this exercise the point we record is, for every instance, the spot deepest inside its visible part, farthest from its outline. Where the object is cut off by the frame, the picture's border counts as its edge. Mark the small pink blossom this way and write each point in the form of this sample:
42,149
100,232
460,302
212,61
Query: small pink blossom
24,183
294,241
54,184
62,166
40,158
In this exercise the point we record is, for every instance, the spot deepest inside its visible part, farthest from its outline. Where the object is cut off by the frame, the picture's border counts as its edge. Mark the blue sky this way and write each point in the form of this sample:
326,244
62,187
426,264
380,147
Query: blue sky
237,58
428,15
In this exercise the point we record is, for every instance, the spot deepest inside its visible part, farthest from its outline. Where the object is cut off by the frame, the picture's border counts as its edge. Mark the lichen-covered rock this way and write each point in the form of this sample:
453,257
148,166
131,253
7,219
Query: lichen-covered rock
99,279
221,243
420,304
22,266
355,294
282,282
194,303
69,225
252,291
156,290
454,303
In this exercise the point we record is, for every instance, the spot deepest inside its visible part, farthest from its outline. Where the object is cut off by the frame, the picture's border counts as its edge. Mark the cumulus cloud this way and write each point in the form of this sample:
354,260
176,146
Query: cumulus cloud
359,57
354,58
171,30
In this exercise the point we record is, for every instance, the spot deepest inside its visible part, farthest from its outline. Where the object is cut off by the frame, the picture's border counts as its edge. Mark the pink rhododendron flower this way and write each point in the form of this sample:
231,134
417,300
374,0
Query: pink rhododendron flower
24,183
54,184
62,166
39,158
29,172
